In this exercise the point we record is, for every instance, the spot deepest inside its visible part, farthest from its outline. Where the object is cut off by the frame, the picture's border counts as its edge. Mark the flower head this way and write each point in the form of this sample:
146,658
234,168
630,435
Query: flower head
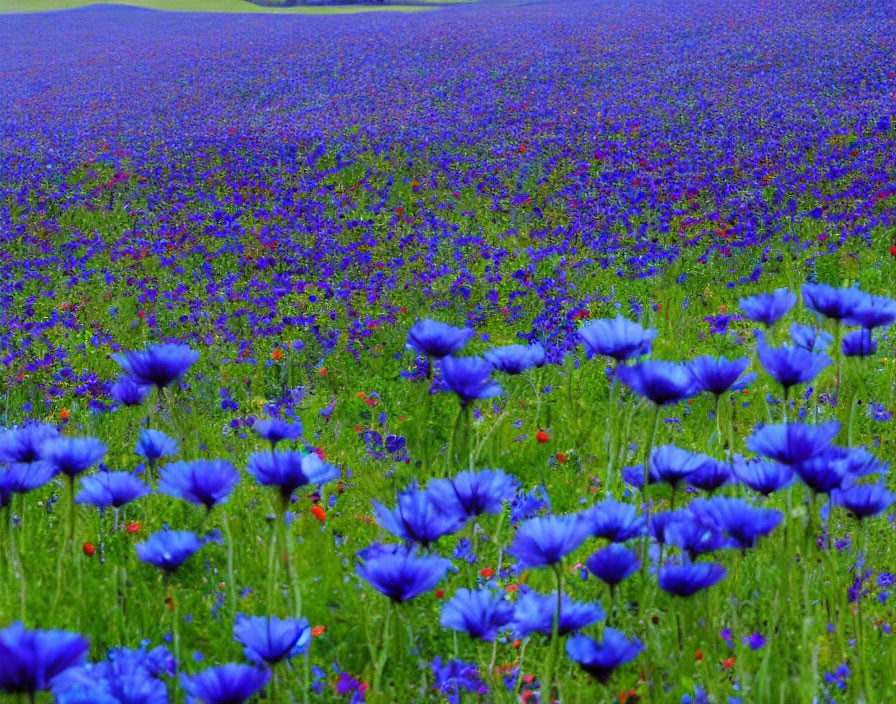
761,475
26,443
417,518
768,308
470,378
274,430
600,659
661,382
613,564
168,549
30,660
289,470
481,614
154,444
614,521
437,340
400,574
128,391
864,500
227,684
718,375
271,639
690,578
858,343
809,338
534,613
790,365
740,521
793,442
618,338
71,456
111,489
158,365
206,482
471,494
545,540
515,359
873,312
834,303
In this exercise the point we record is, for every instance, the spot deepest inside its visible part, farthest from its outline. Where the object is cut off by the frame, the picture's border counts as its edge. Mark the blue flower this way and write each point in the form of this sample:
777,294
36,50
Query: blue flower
154,444
694,533
600,659
158,365
793,442
864,500
401,575
534,613
274,430
25,444
617,337
437,340
270,639
690,578
30,660
711,475
128,391
227,684
718,375
790,365
825,472
417,518
111,489
833,303
761,475
672,465
661,382
22,477
858,343
206,482
470,378
471,494
873,312
739,520
515,359
613,564
71,456
809,338
481,614
289,470
127,677
768,308
168,549
614,521
545,540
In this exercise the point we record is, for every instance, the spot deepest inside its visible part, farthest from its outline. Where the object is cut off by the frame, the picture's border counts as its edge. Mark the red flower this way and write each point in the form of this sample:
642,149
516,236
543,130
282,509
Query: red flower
893,249
728,664
440,593
319,513
132,527
561,458
89,549
542,436
486,572
318,631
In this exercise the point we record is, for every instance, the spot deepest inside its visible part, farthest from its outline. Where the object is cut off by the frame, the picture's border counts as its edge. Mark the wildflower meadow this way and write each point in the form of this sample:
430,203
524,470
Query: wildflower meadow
490,352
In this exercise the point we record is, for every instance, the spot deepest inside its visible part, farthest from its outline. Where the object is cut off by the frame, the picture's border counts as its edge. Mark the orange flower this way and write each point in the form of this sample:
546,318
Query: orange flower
542,436
63,414
699,655
728,664
486,572
361,394
318,631
319,513
623,697
561,458
277,355
132,527
322,371
512,588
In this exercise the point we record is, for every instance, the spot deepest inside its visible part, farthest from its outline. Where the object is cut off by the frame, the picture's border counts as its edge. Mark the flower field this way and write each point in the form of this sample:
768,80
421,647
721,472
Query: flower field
497,352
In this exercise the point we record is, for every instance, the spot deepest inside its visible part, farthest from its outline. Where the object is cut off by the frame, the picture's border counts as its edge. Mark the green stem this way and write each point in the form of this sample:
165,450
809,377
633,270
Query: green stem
547,681
449,457
647,450
852,413
71,517
382,656
231,587
272,554
611,436
291,563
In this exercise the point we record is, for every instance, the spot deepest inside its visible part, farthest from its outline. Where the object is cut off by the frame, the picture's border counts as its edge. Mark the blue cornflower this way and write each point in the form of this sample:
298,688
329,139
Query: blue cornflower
481,614
711,475
873,312
790,365
661,382
833,303
864,500
694,533
417,518
470,378
600,659
22,477
614,521
690,578
437,340
30,660
471,494
825,472
227,684
613,564
270,639
515,359
768,308
739,520
128,391
792,442
111,489
154,444
858,343
719,375
545,540
809,338
168,549
158,365
71,456
672,465
617,337
274,430
127,677
289,470
26,443
206,482
401,574
760,475
534,613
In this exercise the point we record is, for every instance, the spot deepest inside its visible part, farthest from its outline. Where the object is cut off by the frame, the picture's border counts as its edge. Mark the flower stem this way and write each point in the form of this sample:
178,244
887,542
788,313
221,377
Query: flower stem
547,681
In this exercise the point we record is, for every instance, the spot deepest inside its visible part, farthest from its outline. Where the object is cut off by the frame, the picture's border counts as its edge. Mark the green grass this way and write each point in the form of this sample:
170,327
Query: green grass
223,6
